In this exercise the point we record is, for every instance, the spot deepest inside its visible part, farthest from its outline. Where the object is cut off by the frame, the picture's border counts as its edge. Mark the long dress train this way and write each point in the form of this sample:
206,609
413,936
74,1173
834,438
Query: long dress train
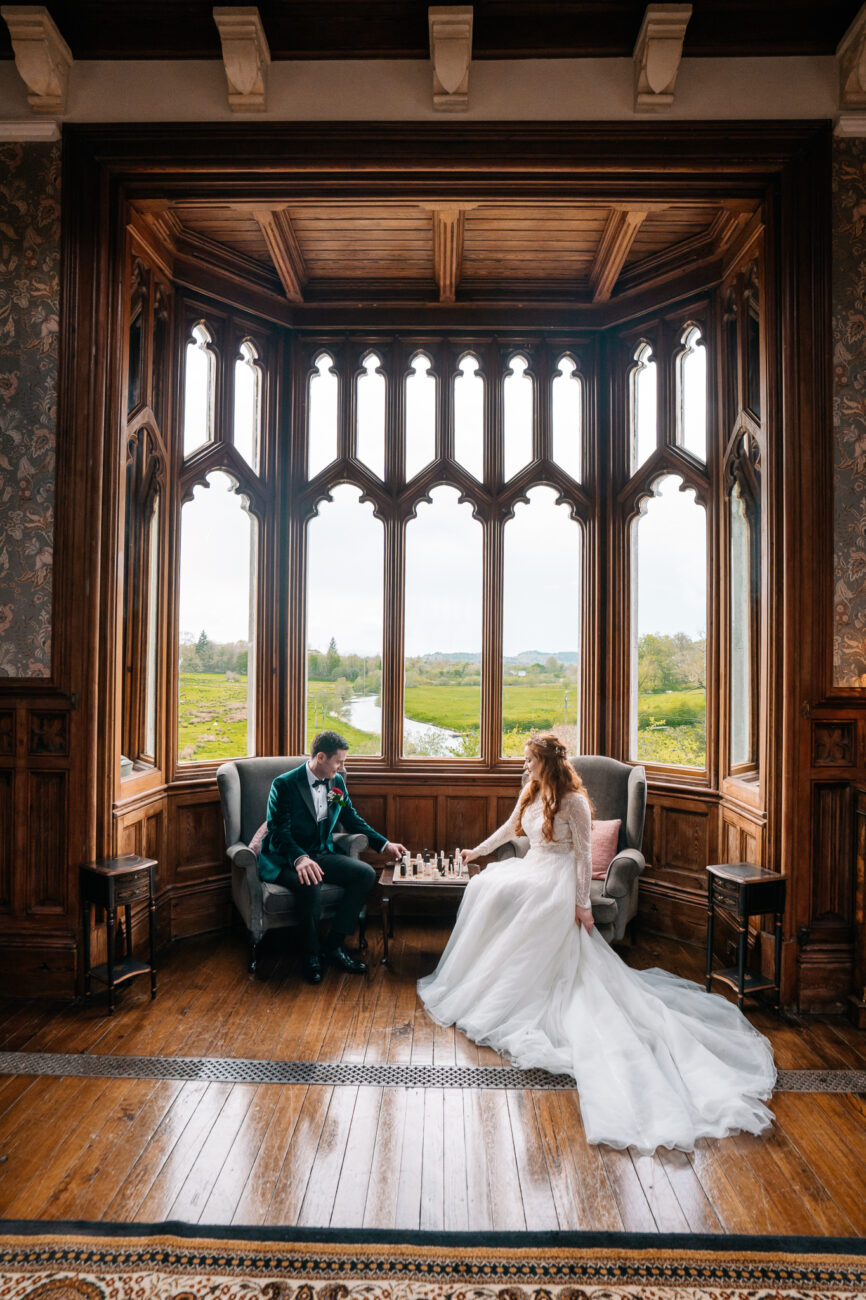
657,1060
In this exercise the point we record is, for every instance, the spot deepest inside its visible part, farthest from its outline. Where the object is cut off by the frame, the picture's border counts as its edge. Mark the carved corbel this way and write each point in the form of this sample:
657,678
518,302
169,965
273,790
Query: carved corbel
42,57
449,226
246,57
657,55
451,55
851,59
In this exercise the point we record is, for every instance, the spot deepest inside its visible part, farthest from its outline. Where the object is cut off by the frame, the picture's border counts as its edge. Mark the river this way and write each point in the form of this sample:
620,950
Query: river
366,714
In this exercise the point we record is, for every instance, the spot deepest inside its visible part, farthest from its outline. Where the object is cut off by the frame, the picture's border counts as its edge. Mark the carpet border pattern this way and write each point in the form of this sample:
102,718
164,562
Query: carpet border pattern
822,1265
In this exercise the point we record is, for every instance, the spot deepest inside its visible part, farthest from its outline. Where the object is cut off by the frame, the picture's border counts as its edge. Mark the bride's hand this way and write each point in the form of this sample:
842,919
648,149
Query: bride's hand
583,916
468,855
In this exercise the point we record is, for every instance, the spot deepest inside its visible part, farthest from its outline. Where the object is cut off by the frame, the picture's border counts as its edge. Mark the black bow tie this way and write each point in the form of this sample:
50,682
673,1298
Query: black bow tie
317,783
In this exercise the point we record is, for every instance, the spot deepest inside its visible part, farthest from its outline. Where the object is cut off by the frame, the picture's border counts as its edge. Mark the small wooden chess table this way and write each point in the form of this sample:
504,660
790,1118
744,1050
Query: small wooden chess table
396,889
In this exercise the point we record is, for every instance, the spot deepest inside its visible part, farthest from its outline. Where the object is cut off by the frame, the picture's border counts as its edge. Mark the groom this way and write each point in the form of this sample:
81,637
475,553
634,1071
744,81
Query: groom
298,851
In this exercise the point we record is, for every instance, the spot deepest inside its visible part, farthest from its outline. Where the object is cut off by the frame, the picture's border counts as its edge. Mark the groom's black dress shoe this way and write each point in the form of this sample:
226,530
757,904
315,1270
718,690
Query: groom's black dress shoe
339,957
313,969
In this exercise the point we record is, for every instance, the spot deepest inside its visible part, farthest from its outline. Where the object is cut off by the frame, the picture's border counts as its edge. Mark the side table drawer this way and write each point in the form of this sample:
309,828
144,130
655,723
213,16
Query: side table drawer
728,896
132,889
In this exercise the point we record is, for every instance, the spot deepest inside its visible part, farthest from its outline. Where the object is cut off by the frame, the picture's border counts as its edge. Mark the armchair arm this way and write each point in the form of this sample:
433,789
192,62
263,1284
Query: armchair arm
246,886
513,849
623,872
352,845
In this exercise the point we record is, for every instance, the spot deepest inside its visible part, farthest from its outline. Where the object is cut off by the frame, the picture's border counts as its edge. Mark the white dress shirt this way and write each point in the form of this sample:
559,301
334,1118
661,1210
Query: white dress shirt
320,795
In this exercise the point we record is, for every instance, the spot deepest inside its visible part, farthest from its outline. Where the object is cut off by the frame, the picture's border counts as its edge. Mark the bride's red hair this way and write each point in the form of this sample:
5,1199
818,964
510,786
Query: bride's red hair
556,778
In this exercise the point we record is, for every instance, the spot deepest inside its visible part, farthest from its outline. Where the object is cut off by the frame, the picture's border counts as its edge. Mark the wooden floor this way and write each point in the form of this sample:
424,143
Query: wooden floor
149,1150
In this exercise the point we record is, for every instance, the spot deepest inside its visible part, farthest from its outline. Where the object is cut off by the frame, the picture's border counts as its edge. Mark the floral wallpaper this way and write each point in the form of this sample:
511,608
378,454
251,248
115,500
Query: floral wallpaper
29,310
849,411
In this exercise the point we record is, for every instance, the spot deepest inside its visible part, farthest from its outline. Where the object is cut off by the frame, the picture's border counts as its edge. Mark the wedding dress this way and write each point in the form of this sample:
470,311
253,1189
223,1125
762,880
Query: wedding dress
657,1060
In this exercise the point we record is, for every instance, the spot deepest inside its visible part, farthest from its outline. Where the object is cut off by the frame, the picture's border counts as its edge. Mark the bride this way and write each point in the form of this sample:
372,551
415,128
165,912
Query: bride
657,1061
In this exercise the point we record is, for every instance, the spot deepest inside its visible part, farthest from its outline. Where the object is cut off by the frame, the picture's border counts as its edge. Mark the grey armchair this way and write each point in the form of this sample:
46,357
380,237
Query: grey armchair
617,792
244,785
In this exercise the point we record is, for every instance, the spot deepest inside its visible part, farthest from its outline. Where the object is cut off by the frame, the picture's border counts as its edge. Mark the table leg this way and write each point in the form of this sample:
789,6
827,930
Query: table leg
777,962
152,944
386,925
742,930
109,926
85,908
710,923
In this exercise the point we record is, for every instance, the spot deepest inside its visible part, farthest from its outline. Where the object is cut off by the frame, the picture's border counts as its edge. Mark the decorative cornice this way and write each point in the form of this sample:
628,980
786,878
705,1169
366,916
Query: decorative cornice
30,131
450,28
246,57
42,57
657,55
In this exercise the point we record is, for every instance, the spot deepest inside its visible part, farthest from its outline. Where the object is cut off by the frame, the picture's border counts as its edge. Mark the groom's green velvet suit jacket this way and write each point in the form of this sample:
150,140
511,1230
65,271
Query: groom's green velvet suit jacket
292,826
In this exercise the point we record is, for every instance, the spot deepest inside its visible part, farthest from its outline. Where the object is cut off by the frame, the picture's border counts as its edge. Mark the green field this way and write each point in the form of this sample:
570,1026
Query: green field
213,718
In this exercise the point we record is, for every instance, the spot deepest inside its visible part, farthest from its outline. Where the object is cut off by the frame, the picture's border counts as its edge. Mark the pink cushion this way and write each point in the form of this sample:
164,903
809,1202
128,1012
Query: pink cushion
605,838
259,838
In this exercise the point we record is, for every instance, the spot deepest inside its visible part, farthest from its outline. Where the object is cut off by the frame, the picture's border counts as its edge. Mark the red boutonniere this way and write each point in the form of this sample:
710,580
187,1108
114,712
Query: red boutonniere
336,797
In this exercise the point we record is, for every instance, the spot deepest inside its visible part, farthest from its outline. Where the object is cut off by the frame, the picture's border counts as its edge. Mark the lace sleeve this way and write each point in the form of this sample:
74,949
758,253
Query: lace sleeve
576,809
506,832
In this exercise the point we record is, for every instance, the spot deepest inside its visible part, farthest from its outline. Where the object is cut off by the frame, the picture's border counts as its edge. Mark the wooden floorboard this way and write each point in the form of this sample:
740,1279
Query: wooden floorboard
350,1155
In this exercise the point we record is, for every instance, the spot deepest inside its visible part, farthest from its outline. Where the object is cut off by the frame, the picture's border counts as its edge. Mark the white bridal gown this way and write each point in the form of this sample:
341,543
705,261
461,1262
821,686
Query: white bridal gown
657,1060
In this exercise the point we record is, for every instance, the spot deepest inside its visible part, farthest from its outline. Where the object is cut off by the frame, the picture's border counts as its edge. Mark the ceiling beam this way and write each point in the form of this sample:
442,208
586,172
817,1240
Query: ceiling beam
449,230
276,226
613,249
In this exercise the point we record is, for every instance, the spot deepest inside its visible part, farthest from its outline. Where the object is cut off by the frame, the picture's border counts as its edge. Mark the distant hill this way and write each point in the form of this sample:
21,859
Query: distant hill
525,657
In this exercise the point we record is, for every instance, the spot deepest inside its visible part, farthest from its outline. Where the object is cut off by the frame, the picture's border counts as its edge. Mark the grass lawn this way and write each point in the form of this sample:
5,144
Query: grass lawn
213,718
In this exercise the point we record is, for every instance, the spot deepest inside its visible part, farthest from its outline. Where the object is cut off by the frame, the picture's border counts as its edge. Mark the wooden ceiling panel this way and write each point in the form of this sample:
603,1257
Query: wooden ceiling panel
237,230
665,229
525,242
566,246
368,241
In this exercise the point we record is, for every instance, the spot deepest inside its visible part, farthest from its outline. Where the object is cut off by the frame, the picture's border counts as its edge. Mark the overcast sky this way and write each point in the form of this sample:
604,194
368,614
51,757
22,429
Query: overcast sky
443,566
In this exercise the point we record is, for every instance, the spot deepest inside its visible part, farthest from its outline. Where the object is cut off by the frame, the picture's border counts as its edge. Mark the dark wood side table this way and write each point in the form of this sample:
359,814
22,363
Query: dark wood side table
746,891
393,890
113,883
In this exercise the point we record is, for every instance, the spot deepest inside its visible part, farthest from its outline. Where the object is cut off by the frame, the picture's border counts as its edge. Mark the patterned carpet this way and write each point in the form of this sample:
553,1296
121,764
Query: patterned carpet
40,1261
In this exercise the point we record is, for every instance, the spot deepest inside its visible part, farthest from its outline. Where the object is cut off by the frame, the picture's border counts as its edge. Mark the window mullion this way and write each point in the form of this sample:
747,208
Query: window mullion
393,638
491,639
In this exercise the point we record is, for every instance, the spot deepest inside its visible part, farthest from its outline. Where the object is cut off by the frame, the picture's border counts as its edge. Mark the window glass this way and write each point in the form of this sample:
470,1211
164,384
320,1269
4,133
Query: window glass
517,416
567,412
541,623
741,638
753,350
322,416
151,635
345,567
198,401
442,674
420,416
669,610
248,405
216,617
469,418
644,411
692,392
371,416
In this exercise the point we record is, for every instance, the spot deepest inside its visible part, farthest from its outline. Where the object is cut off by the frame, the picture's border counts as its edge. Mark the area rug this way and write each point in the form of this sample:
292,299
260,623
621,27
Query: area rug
175,1261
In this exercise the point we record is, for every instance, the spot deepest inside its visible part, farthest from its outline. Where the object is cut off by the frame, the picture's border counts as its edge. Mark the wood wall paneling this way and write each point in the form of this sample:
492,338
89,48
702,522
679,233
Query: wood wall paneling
7,837
47,883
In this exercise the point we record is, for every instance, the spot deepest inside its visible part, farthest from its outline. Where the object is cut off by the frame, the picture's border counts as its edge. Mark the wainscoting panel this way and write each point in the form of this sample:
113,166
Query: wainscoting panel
46,881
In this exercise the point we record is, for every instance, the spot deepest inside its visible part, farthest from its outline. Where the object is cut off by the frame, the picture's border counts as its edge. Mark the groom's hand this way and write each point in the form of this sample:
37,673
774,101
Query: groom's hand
309,872
394,850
